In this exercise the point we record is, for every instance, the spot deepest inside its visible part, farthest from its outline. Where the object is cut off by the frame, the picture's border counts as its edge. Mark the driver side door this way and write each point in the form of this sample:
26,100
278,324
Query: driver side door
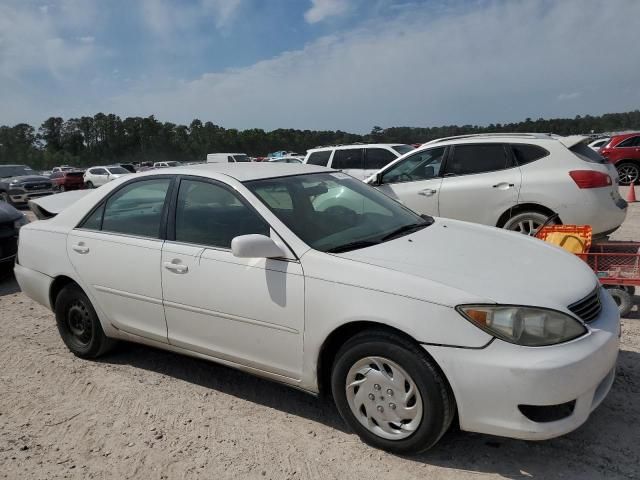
415,181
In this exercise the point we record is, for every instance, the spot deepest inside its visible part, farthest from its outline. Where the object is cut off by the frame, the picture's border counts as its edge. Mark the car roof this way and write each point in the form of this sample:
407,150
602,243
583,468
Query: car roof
622,136
242,171
355,145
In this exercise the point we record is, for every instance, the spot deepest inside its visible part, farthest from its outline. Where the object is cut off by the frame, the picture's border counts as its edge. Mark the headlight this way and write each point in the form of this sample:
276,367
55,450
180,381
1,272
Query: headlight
16,183
20,222
529,326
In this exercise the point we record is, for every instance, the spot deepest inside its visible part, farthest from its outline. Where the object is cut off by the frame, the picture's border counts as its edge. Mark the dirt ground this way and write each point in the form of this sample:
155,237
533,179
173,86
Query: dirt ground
145,413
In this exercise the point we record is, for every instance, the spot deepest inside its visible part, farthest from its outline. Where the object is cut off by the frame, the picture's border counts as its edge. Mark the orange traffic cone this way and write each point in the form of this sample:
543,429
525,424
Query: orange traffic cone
631,196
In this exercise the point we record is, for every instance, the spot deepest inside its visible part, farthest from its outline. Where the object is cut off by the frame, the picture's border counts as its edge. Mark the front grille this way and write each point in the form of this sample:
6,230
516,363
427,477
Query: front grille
37,186
589,307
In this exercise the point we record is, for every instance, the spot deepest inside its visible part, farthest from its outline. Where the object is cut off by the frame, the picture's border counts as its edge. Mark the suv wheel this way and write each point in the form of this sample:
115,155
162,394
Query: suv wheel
4,197
79,325
628,172
391,393
526,222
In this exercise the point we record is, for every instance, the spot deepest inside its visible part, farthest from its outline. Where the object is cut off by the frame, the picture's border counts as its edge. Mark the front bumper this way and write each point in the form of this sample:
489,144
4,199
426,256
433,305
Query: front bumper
18,195
491,383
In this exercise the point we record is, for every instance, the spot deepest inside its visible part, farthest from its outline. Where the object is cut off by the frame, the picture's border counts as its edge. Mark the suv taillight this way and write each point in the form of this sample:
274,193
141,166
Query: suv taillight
590,179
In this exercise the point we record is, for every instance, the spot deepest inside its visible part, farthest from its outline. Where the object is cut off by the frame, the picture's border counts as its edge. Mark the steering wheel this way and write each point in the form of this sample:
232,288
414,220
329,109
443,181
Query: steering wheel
404,177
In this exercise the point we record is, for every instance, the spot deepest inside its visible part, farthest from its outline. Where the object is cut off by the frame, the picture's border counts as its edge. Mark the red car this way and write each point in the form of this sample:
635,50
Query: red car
624,152
68,180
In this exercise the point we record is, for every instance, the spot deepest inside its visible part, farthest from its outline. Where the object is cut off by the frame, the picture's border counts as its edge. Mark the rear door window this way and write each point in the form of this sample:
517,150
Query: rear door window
348,158
319,158
378,158
478,158
629,142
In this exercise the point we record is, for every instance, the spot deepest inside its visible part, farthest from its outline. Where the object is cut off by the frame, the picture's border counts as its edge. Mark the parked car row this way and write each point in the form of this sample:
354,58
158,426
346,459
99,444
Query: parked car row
624,152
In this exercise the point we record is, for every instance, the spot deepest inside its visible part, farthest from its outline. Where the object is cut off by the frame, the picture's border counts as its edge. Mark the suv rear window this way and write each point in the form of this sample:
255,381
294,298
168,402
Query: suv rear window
478,158
347,158
319,158
525,153
586,153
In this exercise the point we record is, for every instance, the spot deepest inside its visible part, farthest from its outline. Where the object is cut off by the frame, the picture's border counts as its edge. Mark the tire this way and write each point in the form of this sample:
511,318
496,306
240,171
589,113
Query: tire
61,188
373,359
89,184
628,172
526,222
623,299
4,197
79,325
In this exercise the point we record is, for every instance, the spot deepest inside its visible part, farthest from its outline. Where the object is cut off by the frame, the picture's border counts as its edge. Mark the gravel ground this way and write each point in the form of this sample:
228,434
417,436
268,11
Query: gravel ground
145,413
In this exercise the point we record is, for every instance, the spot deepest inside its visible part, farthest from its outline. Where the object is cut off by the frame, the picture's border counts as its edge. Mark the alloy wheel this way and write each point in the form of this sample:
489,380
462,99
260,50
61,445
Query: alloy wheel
384,398
628,173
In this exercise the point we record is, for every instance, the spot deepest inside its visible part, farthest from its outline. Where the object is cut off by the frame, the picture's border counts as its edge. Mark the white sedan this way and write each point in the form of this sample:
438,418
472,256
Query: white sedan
404,319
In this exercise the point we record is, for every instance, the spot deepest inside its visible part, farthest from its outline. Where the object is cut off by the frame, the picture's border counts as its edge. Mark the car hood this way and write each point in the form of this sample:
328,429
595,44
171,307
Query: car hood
27,178
488,263
8,213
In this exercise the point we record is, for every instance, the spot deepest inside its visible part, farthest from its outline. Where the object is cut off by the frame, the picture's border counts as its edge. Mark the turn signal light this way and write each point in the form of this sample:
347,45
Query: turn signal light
590,179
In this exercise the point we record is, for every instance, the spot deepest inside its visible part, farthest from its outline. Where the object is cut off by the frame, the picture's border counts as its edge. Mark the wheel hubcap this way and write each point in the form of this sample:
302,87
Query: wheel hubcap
79,323
384,398
628,174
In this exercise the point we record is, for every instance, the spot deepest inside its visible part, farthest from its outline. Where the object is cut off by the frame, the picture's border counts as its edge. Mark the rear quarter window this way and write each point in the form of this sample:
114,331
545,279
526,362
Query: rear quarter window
525,153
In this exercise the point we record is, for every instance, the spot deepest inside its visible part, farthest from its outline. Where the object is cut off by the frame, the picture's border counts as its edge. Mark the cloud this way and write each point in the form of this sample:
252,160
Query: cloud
164,17
569,96
495,62
322,9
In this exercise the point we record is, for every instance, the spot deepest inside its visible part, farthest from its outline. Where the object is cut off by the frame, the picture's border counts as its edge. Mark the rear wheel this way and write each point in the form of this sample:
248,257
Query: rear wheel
391,393
61,188
628,172
623,299
79,325
526,222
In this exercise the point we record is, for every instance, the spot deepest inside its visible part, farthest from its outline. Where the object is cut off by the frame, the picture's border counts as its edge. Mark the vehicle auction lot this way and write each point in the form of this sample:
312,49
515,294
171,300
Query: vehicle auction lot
145,413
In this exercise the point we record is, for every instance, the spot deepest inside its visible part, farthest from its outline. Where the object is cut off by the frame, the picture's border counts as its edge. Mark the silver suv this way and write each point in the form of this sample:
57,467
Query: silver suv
359,160
512,181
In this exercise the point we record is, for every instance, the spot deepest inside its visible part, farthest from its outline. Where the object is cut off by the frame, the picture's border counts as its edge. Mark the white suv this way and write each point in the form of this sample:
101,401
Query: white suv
98,176
512,181
360,161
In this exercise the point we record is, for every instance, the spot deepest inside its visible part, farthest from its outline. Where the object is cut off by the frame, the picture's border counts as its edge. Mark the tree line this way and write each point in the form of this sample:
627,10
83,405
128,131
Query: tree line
106,138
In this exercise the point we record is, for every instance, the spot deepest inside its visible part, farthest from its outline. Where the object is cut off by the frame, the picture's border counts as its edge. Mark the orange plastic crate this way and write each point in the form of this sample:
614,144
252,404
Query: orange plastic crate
573,238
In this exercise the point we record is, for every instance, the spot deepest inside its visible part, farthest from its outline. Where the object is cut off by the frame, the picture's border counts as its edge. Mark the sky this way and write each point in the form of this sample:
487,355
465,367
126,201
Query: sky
318,64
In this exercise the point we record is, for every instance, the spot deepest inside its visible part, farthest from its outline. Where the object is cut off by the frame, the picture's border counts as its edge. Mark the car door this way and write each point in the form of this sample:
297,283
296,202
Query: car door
480,182
99,176
117,250
415,180
350,161
246,311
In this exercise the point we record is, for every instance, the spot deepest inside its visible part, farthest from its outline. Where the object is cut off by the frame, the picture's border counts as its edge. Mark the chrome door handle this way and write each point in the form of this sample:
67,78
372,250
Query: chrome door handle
504,185
427,192
176,267
80,248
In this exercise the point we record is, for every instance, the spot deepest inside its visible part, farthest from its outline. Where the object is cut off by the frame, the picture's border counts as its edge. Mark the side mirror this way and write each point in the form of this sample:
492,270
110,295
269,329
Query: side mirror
255,246
376,181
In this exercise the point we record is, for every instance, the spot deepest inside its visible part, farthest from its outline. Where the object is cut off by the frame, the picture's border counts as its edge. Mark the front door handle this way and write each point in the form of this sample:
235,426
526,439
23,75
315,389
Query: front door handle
80,247
504,185
175,267
427,192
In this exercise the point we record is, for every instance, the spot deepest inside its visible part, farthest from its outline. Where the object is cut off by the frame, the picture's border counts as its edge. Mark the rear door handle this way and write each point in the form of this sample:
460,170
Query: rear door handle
504,185
427,192
175,267
80,248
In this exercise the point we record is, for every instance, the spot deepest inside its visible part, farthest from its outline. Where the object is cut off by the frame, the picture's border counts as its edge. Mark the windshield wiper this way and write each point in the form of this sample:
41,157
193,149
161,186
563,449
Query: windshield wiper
406,229
353,246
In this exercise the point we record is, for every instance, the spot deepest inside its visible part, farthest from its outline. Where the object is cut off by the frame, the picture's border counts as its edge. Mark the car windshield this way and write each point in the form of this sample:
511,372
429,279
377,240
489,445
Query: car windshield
402,149
7,171
333,212
117,170
241,158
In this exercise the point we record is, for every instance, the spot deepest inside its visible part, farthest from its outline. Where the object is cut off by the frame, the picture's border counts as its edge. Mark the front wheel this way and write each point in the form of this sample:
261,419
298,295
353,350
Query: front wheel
89,184
4,197
79,325
391,393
